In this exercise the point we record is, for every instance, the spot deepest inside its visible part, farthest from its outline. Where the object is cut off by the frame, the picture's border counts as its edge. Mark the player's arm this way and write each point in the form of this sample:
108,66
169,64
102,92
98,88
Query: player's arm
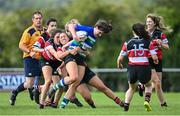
37,47
119,61
163,41
121,56
64,48
153,52
24,42
62,54
53,52
71,27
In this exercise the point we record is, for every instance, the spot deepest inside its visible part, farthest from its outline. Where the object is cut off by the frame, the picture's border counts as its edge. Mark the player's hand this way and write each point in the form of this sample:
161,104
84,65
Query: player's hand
159,42
32,54
119,65
156,61
76,38
73,52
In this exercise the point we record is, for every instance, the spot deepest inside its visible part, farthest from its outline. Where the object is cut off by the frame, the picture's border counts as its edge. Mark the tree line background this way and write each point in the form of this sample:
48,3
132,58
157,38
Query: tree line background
15,16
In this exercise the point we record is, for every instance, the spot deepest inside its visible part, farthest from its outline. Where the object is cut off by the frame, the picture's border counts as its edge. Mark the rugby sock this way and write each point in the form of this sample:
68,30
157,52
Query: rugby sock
164,104
147,96
19,89
117,100
30,89
64,102
92,105
126,106
59,84
36,82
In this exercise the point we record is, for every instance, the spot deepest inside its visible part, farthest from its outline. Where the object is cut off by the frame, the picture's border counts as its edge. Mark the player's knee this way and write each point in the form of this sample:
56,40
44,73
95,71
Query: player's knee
158,86
74,79
47,83
132,89
28,84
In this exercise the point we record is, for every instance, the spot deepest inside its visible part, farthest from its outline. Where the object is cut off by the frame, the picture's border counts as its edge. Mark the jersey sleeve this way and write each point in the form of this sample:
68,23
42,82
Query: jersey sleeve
124,49
39,43
25,39
48,45
152,47
164,38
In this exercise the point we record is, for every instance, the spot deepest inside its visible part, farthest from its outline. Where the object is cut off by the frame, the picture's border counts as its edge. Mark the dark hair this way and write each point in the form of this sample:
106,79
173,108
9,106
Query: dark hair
37,12
55,31
103,25
49,20
159,21
139,30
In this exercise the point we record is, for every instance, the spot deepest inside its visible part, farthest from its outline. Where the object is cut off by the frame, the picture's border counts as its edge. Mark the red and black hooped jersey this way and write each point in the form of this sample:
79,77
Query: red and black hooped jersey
157,34
50,44
40,43
137,49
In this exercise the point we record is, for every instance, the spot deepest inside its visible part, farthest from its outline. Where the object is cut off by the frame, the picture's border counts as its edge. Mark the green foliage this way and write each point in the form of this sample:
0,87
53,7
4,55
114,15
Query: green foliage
122,13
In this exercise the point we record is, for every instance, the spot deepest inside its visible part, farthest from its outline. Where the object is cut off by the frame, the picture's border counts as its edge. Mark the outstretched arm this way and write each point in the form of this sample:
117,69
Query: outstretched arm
119,60
71,28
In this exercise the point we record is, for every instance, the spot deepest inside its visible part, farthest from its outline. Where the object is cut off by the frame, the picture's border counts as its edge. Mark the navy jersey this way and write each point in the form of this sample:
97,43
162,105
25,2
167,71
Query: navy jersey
50,44
137,49
157,34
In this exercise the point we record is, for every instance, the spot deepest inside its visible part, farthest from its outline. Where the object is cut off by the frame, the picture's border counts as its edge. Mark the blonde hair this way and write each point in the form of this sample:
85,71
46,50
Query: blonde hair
159,21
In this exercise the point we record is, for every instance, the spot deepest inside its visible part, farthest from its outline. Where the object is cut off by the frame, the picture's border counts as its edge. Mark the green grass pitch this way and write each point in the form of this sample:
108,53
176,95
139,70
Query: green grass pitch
105,106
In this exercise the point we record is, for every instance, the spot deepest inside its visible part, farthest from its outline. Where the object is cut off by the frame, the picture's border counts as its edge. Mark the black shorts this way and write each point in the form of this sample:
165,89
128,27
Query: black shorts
141,73
76,58
157,67
54,64
88,75
31,67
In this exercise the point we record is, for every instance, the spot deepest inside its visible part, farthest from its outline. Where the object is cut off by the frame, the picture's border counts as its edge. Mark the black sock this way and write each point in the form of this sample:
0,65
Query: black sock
19,89
164,104
30,89
126,106
92,105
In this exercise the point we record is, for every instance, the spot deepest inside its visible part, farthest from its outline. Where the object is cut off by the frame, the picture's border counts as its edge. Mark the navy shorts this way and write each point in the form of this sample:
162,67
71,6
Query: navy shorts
88,75
75,58
157,67
141,73
54,64
31,67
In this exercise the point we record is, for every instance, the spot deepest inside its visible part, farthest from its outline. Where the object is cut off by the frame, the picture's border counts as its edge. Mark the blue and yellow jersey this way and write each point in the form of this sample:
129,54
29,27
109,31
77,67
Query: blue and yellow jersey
29,37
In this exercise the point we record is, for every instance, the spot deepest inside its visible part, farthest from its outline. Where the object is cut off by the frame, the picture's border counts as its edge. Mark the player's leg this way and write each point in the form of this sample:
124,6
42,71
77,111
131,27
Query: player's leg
72,88
97,83
129,95
47,74
86,94
23,86
72,70
58,94
160,92
148,92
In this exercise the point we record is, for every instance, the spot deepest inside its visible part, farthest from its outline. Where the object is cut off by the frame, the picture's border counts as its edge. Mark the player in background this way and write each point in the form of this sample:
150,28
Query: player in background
155,26
30,58
51,24
137,49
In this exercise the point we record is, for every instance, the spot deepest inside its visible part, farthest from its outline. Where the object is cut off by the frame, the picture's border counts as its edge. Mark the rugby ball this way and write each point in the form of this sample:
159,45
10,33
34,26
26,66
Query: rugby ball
82,35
